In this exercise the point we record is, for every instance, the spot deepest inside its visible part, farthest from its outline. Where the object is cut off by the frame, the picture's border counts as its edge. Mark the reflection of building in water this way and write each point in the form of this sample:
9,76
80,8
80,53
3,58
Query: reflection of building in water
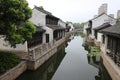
72,36
103,73
47,70
96,61
93,60
87,45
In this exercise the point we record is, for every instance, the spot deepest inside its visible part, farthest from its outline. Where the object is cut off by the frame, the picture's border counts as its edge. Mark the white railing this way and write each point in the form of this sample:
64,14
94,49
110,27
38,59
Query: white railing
40,50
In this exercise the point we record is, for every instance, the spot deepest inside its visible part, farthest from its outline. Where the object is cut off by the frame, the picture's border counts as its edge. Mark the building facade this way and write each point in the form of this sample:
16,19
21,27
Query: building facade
110,50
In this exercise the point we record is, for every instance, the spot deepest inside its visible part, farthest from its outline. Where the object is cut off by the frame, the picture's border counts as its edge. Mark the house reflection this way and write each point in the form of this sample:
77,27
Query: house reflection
96,61
47,70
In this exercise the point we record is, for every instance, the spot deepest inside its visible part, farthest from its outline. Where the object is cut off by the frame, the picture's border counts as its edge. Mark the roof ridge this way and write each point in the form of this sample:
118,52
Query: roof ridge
42,10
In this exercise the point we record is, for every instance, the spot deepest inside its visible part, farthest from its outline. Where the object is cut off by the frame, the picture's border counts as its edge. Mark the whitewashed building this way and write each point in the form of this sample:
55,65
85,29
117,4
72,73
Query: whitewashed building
49,22
99,21
85,27
90,27
110,50
70,24
47,31
62,23
4,45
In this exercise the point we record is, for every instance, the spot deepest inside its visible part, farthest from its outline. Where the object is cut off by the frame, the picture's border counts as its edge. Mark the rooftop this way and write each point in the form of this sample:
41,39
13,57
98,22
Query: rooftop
113,30
104,25
39,29
55,27
46,12
101,15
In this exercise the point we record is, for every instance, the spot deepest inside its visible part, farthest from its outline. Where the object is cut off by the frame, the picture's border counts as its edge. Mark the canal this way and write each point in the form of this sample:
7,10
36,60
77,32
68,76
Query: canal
71,62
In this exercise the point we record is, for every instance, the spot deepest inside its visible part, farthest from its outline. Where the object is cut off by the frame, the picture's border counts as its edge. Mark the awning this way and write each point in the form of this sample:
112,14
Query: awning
55,27
39,29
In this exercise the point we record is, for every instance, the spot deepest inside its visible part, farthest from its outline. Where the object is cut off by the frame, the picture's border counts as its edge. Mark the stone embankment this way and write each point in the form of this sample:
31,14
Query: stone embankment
31,64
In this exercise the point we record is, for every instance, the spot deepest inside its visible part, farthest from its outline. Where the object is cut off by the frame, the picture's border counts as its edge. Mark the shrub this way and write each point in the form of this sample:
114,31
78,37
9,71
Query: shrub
95,51
8,60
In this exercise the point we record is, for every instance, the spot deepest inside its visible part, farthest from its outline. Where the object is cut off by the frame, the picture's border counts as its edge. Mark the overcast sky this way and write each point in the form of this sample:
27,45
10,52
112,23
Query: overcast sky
75,10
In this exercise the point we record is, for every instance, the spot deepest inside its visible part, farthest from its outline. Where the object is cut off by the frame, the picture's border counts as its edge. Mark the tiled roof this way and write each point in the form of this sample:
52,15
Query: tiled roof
55,27
113,30
46,12
39,29
104,25
42,10
103,14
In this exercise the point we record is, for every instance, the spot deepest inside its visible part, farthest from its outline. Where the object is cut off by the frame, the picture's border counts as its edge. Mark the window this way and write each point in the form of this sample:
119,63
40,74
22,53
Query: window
47,38
95,34
103,38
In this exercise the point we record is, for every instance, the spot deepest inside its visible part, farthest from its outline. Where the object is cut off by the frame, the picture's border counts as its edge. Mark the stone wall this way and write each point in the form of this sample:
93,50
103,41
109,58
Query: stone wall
111,67
34,64
50,49
13,73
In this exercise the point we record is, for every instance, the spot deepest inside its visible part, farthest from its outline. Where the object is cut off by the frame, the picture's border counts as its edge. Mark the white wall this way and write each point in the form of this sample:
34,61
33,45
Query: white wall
61,23
85,26
71,25
6,46
99,21
48,31
38,18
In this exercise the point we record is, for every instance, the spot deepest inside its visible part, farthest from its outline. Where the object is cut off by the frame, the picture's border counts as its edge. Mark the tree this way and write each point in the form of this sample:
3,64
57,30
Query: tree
79,25
14,24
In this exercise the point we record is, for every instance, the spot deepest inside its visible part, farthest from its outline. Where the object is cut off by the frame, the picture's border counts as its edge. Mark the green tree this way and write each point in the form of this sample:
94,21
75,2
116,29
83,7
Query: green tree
79,25
14,24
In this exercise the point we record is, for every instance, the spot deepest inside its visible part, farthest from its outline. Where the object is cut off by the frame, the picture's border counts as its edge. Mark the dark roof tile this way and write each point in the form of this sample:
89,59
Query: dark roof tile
46,12
55,27
113,30
39,29
104,25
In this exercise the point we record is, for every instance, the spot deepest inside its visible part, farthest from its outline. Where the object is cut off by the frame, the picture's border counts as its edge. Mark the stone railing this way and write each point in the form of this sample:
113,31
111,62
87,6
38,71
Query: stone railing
40,50
114,57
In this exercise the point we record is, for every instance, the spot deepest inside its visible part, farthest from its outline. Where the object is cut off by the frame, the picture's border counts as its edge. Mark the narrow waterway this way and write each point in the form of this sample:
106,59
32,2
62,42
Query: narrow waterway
70,63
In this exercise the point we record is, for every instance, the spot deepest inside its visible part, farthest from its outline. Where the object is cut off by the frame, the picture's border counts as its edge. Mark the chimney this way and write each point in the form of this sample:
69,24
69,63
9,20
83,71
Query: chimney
118,14
102,9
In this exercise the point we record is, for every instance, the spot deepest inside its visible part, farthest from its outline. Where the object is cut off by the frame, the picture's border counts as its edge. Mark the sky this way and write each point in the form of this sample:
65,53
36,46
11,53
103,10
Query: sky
75,10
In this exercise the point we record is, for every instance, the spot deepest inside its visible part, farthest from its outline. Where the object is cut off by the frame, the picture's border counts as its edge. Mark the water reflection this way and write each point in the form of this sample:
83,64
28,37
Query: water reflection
96,61
47,70
75,64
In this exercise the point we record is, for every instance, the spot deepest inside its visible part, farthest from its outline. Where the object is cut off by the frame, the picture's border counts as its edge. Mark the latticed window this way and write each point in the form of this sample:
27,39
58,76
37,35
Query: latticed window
114,44
118,47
